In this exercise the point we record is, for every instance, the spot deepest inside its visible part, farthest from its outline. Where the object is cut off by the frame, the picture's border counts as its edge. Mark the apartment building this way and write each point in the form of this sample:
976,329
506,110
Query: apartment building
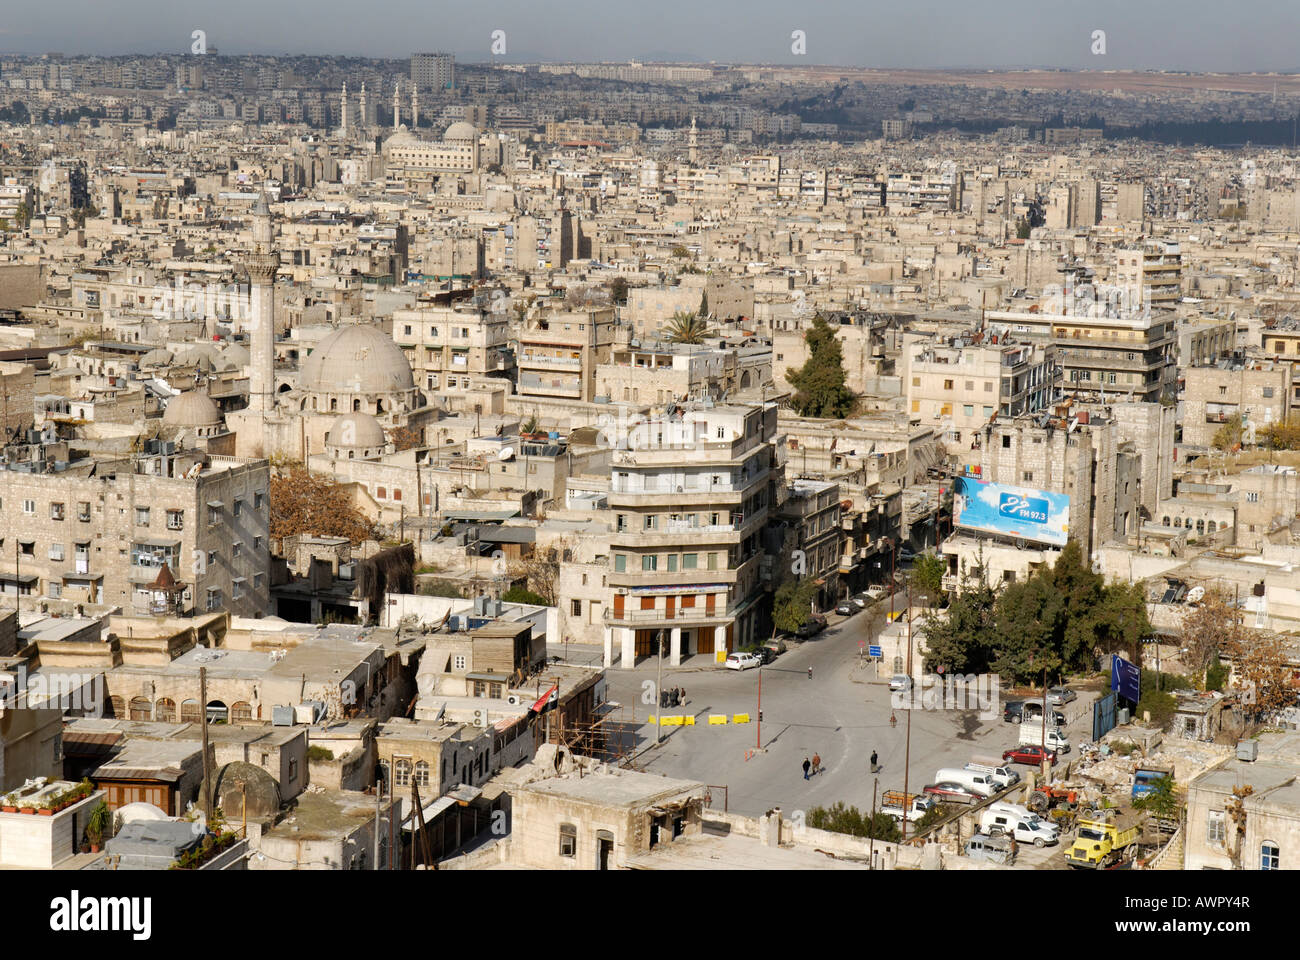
1152,273
812,512
1257,391
958,387
454,348
559,351
663,372
1118,355
691,493
102,531
433,71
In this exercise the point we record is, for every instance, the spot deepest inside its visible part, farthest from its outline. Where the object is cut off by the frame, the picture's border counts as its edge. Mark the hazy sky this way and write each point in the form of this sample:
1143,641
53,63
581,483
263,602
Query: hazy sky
1199,35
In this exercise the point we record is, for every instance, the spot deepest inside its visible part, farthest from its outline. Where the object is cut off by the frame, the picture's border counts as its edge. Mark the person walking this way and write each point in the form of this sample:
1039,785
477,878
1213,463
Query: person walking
682,691
874,764
809,671
817,764
806,765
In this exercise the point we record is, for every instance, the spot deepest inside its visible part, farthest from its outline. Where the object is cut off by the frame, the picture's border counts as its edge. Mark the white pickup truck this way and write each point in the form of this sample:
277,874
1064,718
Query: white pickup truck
895,802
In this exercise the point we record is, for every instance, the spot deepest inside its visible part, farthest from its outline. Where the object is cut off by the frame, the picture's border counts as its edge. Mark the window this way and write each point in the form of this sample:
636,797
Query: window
988,411
916,381
397,493
1027,476
690,561
175,519
1215,831
402,772
1268,393
214,598
422,773
672,563
650,562
568,840
56,551
56,511
83,512
712,561
1223,391
947,384
214,513
651,521
1252,496
236,549
28,547
237,507
212,558
722,433
142,516
1006,441
620,563
259,500
458,661
1270,856
988,386
575,608
29,507
381,493
968,410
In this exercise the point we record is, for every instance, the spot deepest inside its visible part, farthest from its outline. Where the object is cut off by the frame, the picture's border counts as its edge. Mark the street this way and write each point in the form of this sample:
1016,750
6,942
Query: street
842,713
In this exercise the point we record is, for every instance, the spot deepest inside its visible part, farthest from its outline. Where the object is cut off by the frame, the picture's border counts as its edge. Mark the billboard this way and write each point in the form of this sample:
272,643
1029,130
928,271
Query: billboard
1023,512
1125,678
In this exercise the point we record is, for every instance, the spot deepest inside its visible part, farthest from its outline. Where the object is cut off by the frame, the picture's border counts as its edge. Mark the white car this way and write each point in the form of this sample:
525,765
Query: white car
899,681
875,592
743,661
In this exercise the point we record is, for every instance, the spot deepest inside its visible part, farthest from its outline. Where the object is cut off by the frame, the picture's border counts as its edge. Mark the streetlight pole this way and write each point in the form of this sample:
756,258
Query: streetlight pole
907,751
659,686
759,744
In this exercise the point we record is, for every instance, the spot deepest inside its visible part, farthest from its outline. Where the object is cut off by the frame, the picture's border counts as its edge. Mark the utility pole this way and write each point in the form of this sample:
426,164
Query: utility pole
379,799
907,751
659,687
759,744
203,708
874,785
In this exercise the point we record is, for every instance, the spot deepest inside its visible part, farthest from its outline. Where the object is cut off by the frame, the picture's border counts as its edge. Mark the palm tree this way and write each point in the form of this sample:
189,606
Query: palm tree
687,328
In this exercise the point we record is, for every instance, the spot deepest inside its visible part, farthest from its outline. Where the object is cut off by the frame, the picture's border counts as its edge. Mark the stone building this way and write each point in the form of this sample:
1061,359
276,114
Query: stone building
1259,392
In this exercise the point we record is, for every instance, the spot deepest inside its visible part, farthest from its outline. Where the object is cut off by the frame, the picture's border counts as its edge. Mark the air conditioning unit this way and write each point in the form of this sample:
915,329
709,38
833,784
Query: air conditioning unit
514,700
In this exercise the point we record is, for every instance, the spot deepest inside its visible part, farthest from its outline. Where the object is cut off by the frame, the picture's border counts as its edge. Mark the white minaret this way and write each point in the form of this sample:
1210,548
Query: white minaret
361,121
345,108
261,266
694,154
397,106
415,107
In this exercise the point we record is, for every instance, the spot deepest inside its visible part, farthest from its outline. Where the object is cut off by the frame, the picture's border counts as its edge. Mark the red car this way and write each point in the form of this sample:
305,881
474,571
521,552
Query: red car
947,792
1032,755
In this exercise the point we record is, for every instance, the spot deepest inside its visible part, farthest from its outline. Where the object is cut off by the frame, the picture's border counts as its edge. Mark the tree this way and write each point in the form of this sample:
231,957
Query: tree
524,595
541,569
703,310
928,571
22,215
1260,673
1228,436
1162,801
792,604
1280,436
819,384
312,504
963,641
687,328
680,252
1022,229
1208,629
839,818
618,290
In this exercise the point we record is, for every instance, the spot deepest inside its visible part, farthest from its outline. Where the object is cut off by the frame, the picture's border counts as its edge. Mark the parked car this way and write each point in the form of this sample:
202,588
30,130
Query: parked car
906,554
1060,696
899,681
860,601
1031,754
812,626
992,849
765,654
777,645
875,592
1017,711
1012,711
847,609
743,661
947,792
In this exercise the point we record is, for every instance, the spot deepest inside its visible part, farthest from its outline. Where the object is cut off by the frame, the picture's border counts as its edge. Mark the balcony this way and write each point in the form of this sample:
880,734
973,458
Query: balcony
539,360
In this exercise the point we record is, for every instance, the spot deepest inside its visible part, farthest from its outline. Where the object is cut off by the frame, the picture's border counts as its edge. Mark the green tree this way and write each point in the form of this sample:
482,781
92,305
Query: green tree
963,640
687,328
1229,435
928,571
819,384
703,310
792,604
524,595
22,215
680,252
1022,229
839,818
1162,801
1281,436
618,290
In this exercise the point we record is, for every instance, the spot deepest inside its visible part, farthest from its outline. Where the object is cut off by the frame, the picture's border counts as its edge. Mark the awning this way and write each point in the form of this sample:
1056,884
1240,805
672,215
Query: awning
19,578
156,542
216,504
481,515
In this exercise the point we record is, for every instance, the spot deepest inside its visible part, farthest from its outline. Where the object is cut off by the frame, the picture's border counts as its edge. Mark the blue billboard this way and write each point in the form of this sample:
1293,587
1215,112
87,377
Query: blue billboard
1125,679
1011,511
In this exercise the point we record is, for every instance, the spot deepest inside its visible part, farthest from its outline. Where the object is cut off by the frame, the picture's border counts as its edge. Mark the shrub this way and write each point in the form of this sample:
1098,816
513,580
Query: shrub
319,755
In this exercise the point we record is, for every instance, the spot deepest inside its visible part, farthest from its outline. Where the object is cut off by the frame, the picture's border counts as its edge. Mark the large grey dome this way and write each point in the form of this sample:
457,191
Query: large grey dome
359,358
460,130
191,409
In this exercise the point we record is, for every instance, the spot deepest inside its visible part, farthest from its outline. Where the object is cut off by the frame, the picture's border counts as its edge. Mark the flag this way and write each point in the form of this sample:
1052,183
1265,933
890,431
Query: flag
548,700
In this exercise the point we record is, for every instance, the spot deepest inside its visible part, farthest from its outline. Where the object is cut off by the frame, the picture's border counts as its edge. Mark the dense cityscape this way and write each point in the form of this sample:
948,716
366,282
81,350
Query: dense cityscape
426,464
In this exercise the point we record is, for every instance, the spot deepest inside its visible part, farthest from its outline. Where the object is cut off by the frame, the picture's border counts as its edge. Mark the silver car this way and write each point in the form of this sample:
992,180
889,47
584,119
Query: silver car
1059,696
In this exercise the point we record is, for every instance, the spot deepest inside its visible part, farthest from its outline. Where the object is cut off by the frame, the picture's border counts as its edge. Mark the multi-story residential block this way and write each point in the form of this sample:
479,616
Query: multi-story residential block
433,71
1259,392
1151,274
101,531
691,494
559,351
454,348
812,510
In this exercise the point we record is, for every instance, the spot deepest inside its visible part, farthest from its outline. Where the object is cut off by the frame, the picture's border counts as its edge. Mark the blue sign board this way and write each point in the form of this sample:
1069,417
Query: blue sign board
1126,679
875,651
1022,512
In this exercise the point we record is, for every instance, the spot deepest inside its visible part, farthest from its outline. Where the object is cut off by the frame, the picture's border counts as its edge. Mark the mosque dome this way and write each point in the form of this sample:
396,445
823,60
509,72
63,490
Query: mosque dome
358,358
460,130
356,431
191,409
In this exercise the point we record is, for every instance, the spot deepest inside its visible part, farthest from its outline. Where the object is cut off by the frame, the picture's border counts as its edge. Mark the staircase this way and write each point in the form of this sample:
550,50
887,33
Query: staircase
1170,856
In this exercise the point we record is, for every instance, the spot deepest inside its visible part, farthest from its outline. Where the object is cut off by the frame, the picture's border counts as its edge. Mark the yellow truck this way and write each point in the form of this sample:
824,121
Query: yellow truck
1102,842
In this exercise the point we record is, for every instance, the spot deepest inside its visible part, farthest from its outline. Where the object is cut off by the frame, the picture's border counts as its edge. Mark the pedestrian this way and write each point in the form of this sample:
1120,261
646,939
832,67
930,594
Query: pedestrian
874,765
810,672
806,765
682,691
817,764
893,720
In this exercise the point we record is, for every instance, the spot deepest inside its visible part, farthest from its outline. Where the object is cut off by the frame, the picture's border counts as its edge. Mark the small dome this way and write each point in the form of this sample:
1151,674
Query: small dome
460,130
358,358
191,409
156,358
359,431
237,354
243,789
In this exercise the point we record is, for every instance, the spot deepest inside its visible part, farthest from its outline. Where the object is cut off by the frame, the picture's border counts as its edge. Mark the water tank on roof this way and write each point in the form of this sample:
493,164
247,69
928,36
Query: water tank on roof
282,716
1247,750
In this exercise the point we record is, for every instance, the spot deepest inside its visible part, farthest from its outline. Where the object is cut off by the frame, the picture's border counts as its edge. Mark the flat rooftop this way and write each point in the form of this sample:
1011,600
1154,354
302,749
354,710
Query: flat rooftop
712,852
619,788
326,815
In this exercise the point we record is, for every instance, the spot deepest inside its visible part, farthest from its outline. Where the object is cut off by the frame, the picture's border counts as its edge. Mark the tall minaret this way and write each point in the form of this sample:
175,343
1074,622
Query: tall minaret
415,107
694,153
397,106
261,265
345,108
361,120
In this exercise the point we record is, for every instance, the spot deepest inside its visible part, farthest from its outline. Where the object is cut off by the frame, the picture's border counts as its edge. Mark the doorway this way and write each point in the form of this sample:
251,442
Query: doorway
604,849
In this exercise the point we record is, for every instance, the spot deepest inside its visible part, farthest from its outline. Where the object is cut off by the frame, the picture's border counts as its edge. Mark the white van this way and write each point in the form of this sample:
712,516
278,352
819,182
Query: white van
981,784
1001,773
998,821
1032,734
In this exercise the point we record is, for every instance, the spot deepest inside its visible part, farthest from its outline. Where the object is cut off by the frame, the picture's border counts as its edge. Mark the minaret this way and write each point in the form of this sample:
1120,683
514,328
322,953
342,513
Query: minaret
261,266
694,154
415,107
345,108
397,106
361,120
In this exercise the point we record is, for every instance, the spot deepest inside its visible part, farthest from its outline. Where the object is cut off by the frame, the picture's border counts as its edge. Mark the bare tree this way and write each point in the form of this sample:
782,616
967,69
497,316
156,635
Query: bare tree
1210,629
1260,673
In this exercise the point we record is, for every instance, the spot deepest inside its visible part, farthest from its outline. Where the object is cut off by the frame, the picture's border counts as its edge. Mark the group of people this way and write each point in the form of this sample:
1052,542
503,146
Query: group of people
672,697
814,765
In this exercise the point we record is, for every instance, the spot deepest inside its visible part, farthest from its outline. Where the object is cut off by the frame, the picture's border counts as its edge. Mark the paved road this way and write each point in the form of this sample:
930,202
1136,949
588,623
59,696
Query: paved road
842,714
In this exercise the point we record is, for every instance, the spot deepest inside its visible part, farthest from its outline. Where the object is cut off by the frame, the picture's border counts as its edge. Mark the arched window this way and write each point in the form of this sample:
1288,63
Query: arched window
1211,527
218,712
1270,856
164,711
190,712
334,404
568,840
356,405
379,407
1166,521
241,711
141,708
1200,527
422,773
403,773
